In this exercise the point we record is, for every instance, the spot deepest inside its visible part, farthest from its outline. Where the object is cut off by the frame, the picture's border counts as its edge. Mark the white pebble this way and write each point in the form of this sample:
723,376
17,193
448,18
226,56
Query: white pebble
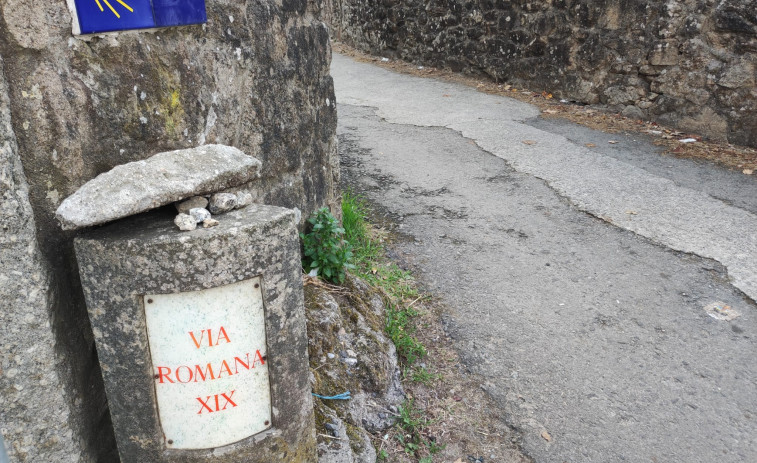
199,214
185,222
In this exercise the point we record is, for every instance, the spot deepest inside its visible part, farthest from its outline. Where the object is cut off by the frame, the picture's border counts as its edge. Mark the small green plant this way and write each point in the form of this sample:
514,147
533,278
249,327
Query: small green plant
357,231
326,251
411,425
383,455
399,326
421,375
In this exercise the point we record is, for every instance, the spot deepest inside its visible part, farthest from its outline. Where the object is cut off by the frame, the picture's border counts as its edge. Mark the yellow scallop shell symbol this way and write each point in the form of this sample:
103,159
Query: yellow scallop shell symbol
113,9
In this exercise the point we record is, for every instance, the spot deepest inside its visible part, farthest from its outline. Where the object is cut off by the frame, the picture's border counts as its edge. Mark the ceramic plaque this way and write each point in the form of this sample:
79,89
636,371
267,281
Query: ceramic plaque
95,16
209,360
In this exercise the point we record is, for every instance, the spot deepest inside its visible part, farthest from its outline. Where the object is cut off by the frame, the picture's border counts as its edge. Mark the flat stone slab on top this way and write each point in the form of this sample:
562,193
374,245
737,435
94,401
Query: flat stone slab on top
164,178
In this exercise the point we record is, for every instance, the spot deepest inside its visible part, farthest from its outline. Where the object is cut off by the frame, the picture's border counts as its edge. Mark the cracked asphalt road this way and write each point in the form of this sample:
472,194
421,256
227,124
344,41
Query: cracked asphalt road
576,278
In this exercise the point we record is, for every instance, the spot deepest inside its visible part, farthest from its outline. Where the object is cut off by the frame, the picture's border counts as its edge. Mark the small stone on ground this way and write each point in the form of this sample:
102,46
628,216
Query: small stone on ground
185,222
244,199
222,202
199,214
191,203
209,222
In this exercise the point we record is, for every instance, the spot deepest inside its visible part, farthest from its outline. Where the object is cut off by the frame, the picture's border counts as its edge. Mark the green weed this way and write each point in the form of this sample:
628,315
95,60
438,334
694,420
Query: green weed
411,424
399,326
325,250
421,375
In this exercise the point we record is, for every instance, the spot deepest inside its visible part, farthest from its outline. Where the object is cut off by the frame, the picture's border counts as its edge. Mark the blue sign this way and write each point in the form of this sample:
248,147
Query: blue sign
121,15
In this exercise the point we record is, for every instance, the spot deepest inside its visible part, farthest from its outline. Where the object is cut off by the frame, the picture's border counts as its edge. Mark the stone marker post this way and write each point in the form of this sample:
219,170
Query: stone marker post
201,337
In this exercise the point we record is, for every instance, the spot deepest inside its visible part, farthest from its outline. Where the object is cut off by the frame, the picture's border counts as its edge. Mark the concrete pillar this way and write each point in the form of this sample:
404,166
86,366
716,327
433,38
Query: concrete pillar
201,337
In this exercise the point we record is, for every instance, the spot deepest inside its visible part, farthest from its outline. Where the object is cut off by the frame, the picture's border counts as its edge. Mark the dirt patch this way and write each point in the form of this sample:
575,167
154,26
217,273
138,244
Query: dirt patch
731,156
463,418
454,413
460,416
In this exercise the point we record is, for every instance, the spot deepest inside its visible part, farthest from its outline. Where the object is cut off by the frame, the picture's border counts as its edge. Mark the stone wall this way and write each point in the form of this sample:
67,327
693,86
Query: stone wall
256,77
689,63
35,412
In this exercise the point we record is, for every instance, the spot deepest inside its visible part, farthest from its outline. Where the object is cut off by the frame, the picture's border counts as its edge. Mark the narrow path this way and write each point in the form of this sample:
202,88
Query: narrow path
572,298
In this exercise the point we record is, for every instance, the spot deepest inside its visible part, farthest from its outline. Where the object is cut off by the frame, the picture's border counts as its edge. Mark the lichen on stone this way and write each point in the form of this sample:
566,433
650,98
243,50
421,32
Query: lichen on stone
350,319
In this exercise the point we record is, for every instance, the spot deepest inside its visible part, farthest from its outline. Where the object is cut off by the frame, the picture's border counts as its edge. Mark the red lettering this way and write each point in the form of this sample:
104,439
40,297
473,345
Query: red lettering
225,367
200,373
204,405
259,357
189,370
228,400
222,333
237,361
197,343
167,375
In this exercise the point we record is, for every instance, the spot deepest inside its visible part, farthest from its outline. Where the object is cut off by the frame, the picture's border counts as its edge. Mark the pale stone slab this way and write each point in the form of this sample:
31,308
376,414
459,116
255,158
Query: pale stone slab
208,351
166,177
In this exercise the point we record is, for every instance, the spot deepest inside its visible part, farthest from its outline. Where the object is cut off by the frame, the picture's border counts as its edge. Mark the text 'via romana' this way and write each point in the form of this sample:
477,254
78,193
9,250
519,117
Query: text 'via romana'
212,370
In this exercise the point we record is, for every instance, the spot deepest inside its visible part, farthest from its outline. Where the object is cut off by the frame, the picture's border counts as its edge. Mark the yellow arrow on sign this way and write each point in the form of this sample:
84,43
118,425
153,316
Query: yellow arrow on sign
113,9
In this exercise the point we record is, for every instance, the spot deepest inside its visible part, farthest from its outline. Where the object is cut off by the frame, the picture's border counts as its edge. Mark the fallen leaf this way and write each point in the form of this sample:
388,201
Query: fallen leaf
748,171
529,142
457,398
545,435
613,142
550,111
590,145
446,95
459,460
631,212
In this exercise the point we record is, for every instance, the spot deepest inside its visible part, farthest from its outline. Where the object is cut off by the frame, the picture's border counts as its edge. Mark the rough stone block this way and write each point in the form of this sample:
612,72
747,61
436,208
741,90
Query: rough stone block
35,420
739,75
664,54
